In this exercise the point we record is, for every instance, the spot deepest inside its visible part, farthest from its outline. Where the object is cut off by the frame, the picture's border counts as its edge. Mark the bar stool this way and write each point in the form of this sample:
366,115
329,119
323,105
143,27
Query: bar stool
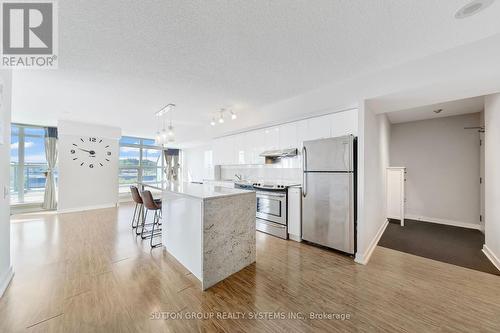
154,205
139,206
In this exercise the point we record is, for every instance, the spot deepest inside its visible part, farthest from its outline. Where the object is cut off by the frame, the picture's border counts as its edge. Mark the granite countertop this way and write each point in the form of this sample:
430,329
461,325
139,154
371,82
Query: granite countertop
203,191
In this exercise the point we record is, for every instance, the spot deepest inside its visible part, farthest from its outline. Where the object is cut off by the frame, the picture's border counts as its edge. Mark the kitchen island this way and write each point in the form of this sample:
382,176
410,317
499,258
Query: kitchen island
209,229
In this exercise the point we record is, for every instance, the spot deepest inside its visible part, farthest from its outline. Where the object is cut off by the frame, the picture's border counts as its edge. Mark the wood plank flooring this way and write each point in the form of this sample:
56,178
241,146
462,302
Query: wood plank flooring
87,272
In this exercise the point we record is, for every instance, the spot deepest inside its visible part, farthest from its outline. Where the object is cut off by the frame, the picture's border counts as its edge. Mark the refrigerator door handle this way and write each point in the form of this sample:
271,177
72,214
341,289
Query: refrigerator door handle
304,167
347,156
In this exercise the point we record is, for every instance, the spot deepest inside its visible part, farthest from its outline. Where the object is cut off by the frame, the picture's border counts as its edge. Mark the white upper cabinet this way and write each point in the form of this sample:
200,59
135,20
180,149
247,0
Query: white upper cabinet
256,145
217,151
272,138
302,133
231,150
343,123
240,145
245,148
224,151
288,137
318,128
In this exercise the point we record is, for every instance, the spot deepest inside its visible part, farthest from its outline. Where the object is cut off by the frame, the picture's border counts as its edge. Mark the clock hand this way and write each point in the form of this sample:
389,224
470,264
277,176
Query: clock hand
91,152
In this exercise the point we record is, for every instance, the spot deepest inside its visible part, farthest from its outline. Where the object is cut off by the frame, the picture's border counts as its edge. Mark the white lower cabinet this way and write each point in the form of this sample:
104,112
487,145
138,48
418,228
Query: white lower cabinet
295,213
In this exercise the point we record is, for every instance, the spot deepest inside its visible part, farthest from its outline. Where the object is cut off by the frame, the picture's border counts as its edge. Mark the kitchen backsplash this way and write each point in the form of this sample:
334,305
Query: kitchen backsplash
261,172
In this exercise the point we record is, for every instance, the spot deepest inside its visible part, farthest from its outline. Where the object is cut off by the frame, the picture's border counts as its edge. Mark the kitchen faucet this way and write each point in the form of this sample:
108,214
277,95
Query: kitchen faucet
239,177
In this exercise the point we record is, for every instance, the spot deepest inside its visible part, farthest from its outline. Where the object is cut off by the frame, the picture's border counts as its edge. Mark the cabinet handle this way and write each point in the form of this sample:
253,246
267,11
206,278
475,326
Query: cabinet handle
304,167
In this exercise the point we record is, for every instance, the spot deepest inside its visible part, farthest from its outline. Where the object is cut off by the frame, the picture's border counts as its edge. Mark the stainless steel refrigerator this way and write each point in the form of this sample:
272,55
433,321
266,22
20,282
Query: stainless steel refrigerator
328,190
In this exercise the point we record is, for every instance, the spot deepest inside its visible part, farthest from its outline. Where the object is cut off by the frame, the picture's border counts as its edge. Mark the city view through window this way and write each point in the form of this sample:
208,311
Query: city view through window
28,164
140,161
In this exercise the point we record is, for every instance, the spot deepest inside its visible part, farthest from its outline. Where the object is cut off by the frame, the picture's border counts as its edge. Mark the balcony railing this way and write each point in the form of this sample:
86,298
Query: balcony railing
34,182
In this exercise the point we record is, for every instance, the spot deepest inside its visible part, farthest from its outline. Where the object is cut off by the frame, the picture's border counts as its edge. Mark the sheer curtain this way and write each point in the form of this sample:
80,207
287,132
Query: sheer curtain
49,199
172,166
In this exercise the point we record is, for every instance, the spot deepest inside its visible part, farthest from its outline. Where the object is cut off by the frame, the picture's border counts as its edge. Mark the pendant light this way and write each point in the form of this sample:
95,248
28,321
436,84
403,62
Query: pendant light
171,134
233,115
158,134
167,133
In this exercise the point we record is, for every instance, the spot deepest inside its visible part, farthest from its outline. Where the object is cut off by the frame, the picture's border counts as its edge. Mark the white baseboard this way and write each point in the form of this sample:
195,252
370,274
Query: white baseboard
5,280
491,256
365,257
81,209
443,221
295,238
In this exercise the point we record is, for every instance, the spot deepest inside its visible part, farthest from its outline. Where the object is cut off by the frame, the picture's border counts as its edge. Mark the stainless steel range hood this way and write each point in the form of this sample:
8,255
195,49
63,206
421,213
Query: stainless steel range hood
290,152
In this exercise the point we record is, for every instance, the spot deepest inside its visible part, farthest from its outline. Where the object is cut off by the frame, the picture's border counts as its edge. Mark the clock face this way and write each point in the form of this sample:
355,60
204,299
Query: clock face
91,152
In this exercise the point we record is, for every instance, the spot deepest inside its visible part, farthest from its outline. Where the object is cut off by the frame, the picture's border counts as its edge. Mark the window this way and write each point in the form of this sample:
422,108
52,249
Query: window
27,164
140,161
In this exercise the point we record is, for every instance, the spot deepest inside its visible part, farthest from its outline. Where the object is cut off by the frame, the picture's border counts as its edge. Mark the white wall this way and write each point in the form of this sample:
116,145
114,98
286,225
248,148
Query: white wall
492,177
81,187
373,152
442,161
5,114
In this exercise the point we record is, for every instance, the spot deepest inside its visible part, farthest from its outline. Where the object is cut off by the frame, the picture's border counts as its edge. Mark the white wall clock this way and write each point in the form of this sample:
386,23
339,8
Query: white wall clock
91,152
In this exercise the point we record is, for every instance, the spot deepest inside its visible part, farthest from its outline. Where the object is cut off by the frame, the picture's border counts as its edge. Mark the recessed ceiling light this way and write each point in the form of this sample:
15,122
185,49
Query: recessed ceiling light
472,8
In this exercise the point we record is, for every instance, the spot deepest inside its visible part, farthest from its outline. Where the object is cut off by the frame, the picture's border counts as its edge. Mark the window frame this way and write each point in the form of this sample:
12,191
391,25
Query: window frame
21,164
140,167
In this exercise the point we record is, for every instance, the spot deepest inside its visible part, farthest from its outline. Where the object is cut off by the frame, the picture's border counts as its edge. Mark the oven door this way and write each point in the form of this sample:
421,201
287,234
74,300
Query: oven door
271,206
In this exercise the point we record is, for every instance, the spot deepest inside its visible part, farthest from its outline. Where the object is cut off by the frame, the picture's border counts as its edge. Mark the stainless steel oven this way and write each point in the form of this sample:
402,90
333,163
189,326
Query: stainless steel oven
272,213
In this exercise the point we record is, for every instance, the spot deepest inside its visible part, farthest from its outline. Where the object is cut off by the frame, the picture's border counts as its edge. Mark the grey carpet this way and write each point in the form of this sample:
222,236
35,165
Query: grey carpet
453,245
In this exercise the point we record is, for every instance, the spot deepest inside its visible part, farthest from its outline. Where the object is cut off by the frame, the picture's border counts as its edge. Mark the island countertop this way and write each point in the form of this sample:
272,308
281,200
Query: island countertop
203,191
209,229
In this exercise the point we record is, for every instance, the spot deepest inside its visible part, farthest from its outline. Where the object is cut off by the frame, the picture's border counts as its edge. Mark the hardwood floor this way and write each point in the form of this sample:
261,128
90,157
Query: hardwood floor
87,272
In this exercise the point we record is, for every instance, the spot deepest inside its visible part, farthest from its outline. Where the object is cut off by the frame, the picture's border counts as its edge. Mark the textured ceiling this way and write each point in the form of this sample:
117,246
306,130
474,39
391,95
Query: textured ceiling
121,60
452,108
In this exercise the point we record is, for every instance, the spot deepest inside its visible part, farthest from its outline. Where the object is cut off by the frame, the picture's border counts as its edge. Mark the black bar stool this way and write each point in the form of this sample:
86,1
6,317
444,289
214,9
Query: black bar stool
139,206
154,205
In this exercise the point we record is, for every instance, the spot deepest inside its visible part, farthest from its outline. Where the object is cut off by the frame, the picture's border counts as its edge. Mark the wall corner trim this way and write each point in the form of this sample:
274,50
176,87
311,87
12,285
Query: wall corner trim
365,257
5,280
491,256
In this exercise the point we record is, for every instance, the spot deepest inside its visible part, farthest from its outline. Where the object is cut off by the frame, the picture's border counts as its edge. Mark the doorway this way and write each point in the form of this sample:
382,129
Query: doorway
442,149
